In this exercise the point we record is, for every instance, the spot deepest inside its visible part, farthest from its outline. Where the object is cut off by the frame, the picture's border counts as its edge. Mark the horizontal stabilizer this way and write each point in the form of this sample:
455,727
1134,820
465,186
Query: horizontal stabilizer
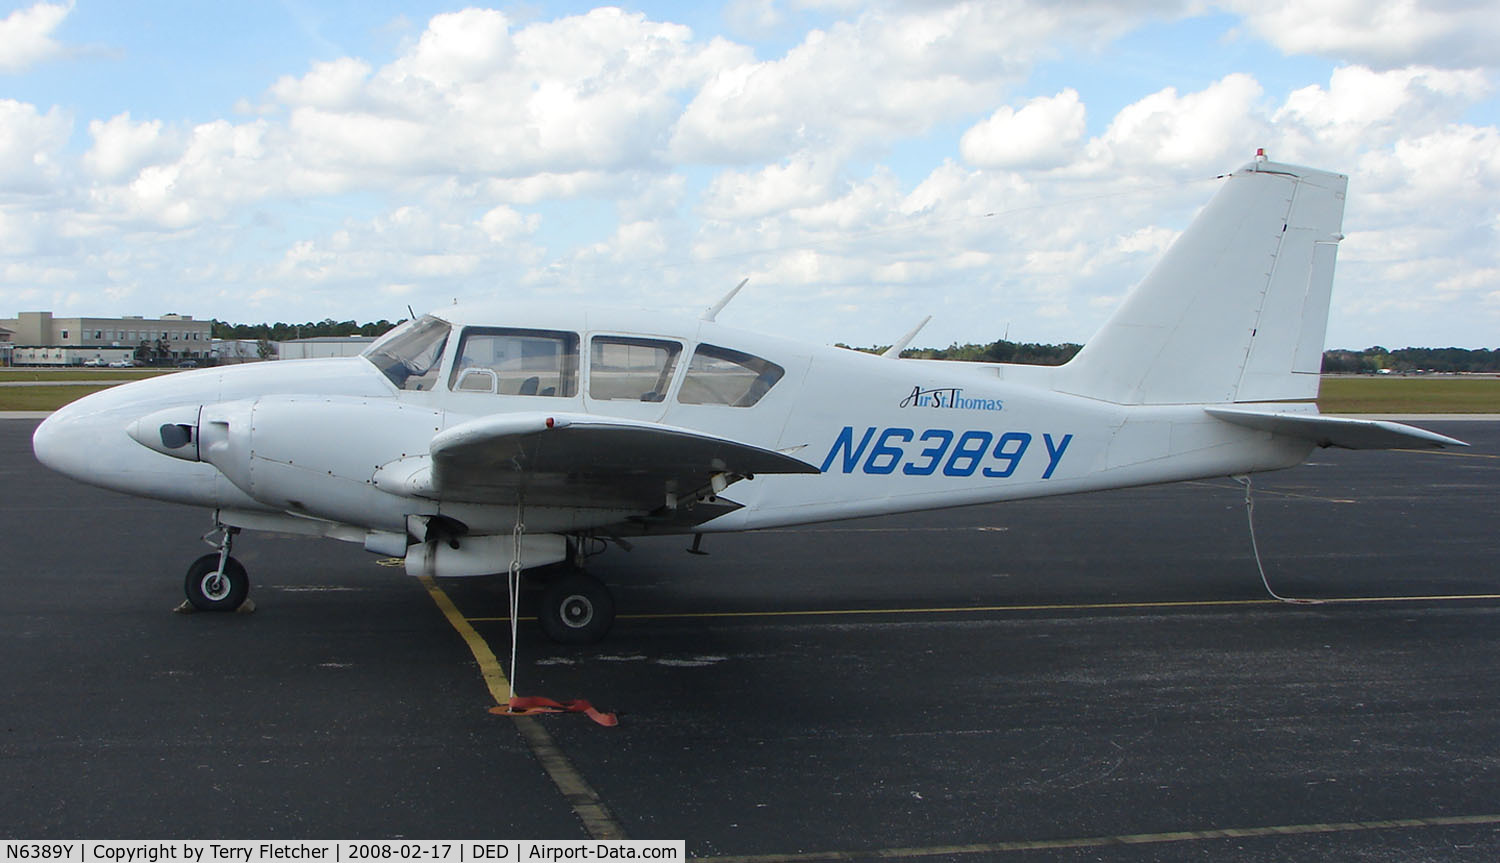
1344,432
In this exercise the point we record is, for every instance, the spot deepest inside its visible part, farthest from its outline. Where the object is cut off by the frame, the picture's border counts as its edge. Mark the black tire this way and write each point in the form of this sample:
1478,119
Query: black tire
576,609
207,592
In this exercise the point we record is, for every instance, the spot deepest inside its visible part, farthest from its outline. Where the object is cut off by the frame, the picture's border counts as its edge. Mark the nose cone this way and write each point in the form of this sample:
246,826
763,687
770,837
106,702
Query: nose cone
63,444
89,441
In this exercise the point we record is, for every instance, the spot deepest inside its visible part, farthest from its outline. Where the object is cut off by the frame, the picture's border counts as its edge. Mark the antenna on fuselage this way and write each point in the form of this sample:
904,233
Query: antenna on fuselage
894,351
713,311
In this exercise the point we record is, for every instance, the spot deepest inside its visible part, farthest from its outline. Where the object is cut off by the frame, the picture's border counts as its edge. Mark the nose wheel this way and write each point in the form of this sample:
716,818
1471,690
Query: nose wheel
576,609
211,589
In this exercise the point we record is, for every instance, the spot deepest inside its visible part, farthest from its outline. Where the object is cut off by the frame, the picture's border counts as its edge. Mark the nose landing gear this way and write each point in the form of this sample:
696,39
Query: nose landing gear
216,581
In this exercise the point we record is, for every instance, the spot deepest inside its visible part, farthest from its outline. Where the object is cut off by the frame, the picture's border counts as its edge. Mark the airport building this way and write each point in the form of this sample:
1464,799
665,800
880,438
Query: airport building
236,351
325,346
37,338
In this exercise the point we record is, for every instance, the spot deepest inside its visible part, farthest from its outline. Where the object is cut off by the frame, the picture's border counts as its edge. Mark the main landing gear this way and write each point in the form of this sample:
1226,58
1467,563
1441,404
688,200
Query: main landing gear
576,608
216,581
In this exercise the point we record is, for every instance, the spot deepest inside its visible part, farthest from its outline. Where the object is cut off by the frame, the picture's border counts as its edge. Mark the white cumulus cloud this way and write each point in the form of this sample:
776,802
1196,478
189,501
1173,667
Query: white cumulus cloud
1185,132
31,144
800,181
1042,134
26,35
889,72
121,148
1383,33
1361,109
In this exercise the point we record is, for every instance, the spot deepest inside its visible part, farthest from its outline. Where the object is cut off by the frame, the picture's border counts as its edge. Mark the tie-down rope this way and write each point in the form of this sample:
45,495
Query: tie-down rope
533,705
1244,479
513,583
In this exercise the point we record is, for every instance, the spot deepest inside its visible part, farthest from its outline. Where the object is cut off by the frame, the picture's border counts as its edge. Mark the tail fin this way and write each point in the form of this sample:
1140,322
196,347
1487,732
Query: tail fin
1237,308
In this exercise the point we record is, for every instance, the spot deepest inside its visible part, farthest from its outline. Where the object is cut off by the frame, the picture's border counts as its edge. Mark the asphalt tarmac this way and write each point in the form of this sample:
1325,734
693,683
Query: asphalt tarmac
1096,677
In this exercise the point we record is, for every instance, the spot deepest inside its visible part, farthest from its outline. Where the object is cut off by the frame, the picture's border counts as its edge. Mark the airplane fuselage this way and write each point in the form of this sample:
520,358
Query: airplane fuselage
322,440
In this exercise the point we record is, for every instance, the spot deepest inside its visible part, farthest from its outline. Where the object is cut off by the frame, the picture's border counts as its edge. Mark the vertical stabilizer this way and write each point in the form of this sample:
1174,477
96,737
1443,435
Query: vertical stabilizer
1237,308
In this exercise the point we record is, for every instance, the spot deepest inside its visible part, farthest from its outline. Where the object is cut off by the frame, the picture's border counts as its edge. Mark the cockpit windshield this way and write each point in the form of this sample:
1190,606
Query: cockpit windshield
409,354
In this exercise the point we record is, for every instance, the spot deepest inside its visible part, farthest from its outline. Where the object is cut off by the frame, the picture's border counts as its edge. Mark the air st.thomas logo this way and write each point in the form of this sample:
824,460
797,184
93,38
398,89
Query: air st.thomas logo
949,397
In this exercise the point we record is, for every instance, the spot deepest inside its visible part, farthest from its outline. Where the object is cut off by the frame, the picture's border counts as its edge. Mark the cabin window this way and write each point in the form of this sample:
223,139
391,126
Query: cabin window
720,376
409,354
631,369
516,363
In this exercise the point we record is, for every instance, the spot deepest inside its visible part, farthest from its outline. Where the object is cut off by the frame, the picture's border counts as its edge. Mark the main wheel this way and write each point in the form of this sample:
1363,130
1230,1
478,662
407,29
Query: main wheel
207,590
576,609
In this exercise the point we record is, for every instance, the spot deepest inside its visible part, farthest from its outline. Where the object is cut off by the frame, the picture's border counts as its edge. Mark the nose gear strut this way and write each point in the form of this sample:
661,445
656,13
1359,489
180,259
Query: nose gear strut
216,581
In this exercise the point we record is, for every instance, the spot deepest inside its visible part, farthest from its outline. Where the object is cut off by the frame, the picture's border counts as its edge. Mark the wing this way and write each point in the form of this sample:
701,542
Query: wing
579,461
1345,432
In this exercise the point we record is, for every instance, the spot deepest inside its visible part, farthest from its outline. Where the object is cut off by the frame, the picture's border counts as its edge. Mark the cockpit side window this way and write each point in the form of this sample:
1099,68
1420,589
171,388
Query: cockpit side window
720,376
409,355
631,369
516,362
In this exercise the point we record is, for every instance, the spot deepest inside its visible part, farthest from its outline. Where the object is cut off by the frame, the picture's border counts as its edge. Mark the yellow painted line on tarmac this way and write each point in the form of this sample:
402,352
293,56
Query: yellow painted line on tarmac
1080,606
1449,452
489,665
957,529
1295,496
1272,492
991,848
957,609
1452,597
586,803
992,609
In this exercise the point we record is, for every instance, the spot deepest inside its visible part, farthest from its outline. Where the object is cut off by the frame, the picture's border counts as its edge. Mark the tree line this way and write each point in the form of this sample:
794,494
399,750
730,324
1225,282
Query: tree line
1370,360
286,332
1377,358
1002,351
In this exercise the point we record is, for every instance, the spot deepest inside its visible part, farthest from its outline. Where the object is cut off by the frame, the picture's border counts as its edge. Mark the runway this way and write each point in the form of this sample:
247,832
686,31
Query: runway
1084,678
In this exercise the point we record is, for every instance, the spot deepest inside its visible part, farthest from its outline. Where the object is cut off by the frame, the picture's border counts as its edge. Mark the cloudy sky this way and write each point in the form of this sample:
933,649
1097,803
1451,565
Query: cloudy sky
1007,166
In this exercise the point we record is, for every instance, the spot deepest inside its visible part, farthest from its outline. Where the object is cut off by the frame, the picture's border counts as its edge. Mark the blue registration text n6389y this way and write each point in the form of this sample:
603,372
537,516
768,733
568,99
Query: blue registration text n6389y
946,451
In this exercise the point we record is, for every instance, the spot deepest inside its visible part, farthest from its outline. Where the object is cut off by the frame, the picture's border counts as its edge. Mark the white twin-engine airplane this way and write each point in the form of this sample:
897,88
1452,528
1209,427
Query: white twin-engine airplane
456,429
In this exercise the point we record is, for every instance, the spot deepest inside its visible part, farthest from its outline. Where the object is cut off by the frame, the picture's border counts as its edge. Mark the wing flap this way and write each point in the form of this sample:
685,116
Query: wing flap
1345,432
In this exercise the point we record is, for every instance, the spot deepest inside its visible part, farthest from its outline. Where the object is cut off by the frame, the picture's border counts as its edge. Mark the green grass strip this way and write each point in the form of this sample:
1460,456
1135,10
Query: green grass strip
61,375
1409,395
42,398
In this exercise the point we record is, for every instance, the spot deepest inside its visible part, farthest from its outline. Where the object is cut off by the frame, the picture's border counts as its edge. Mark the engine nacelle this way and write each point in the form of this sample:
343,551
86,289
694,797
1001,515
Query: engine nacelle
305,454
484,555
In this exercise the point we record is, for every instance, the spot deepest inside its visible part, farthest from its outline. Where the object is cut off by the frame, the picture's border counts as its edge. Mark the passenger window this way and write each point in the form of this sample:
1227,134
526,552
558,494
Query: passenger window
631,369
720,376
516,363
